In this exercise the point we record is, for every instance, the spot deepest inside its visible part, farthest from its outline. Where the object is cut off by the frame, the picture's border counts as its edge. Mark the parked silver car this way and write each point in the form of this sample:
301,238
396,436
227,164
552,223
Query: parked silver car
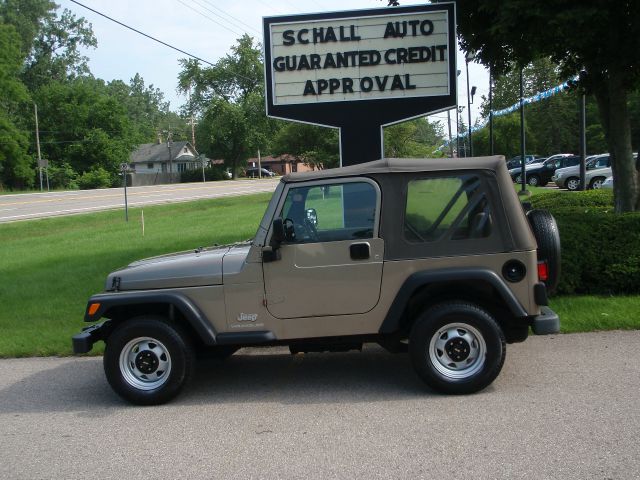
569,177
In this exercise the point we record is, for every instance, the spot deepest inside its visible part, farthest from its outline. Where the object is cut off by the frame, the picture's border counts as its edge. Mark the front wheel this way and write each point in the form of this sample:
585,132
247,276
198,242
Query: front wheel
573,184
457,348
147,361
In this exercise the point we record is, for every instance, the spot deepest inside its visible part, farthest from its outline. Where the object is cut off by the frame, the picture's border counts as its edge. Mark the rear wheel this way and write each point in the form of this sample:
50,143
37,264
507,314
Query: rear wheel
148,361
457,348
533,180
596,183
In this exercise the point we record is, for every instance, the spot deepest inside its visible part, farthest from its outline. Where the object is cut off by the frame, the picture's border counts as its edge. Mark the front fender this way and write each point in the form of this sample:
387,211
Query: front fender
108,302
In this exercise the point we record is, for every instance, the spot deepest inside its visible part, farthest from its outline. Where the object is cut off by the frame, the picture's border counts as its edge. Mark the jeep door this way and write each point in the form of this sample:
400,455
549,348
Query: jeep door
330,262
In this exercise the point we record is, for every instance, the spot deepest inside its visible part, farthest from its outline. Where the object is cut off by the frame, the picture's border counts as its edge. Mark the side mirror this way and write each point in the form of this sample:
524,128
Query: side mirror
277,237
271,253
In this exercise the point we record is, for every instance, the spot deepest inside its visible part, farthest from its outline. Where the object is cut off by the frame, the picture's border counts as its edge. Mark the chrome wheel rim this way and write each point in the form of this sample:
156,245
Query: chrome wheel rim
573,184
457,351
145,363
597,184
533,181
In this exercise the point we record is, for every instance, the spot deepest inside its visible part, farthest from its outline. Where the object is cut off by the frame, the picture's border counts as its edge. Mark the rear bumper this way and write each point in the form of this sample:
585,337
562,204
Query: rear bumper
83,341
546,323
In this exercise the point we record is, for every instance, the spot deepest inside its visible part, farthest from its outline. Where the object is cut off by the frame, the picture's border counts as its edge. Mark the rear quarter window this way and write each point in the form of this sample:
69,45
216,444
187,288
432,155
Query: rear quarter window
446,208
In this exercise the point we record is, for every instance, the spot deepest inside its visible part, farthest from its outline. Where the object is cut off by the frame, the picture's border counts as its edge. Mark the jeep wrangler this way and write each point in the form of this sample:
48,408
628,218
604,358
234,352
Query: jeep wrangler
434,257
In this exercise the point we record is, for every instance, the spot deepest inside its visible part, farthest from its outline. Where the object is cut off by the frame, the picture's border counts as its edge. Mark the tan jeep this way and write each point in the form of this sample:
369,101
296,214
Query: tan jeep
434,256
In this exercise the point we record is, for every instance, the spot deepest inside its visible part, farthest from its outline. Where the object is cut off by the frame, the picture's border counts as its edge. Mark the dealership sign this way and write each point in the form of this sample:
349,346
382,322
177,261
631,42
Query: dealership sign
360,70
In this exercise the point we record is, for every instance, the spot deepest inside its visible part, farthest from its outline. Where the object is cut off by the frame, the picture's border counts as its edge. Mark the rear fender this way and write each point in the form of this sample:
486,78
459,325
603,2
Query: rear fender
417,281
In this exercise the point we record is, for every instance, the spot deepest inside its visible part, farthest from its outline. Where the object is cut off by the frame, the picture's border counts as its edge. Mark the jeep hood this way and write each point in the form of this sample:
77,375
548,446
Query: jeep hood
193,268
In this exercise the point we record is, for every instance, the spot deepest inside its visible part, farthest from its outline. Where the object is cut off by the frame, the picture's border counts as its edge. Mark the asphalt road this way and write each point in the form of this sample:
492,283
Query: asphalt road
27,206
564,407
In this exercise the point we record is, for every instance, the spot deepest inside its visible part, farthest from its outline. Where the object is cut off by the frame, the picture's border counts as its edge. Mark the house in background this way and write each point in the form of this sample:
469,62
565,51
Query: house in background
162,162
281,165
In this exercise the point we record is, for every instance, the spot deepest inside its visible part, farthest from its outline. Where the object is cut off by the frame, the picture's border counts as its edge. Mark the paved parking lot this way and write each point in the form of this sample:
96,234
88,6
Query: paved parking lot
564,407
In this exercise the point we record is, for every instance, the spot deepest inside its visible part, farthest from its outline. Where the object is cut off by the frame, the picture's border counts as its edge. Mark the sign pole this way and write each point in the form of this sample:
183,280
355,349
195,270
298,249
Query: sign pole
123,168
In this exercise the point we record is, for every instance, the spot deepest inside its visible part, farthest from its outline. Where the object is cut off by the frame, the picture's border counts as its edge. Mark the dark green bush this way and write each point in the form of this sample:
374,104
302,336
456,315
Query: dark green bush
600,249
210,174
96,178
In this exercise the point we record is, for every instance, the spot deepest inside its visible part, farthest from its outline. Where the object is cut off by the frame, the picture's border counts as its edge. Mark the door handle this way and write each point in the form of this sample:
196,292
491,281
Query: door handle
360,251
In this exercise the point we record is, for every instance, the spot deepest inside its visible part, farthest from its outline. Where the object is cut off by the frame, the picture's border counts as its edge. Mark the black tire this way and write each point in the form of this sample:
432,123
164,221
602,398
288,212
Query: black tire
533,180
148,361
457,348
547,236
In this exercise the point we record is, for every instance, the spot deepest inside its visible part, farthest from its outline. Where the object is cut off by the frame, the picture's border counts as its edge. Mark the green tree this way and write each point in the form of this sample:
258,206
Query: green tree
15,163
591,36
506,136
552,122
225,132
84,126
230,98
232,78
315,146
26,16
416,138
55,51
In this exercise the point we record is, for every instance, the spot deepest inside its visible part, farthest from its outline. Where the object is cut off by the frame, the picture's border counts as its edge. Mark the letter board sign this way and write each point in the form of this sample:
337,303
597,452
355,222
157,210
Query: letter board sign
360,70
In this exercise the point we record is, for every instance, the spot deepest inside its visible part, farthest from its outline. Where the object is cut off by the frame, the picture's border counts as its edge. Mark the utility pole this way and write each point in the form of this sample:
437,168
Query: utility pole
582,107
35,106
170,159
259,165
523,174
469,57
450,139
490,111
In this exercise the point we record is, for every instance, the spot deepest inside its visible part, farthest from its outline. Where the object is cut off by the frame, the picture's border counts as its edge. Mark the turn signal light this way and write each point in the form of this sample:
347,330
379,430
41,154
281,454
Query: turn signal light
543,271
93,308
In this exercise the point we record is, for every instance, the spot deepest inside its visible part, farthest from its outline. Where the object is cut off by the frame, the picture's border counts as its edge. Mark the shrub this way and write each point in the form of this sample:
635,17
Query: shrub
210,174
600,249
62,176
96,178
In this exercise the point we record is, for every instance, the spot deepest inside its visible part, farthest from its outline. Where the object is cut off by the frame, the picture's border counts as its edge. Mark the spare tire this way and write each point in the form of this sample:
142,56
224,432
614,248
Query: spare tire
547,236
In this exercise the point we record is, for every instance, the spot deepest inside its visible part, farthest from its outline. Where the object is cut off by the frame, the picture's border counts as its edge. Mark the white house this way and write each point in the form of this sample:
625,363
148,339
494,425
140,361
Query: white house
161,162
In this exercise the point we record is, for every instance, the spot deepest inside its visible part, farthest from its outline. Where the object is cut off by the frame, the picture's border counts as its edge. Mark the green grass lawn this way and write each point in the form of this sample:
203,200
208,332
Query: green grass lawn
49,268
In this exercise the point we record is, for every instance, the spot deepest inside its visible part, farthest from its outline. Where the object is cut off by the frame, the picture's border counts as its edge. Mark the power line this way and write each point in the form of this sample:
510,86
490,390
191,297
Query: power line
230,16
209,18
142,33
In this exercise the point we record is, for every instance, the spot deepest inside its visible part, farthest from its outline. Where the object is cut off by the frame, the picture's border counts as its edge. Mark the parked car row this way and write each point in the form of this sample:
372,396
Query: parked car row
538,174
517,162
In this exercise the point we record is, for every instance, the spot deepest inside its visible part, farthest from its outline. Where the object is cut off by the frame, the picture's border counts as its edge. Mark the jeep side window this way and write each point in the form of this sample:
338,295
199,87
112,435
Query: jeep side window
331,212
452,208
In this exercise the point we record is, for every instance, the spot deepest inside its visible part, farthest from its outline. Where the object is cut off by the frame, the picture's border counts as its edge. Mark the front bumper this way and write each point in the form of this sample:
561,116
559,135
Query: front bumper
546,323
83,342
